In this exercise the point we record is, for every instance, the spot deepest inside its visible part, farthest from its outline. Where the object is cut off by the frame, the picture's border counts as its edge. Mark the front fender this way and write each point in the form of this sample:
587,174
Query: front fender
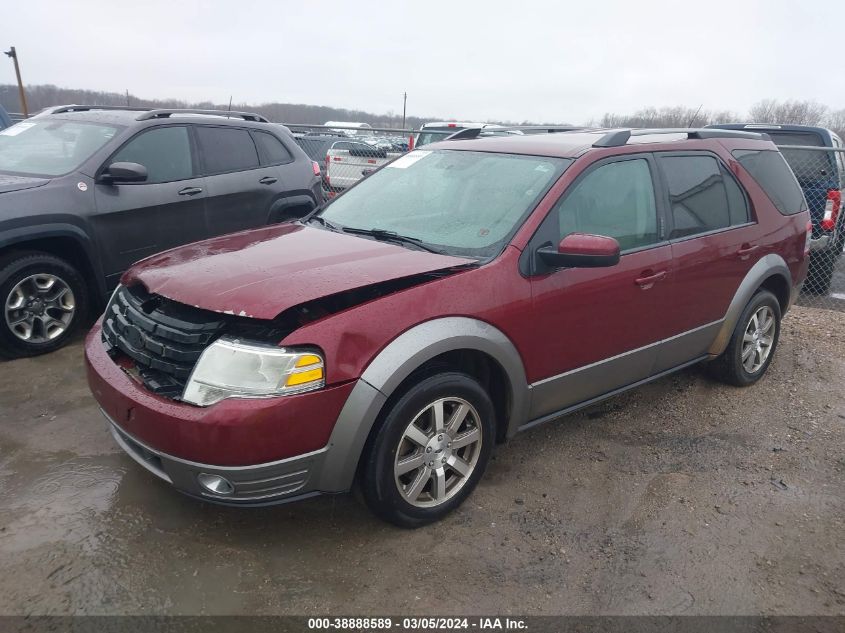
395,363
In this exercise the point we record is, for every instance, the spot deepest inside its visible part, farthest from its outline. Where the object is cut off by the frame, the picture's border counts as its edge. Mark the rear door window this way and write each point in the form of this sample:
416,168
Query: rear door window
226,149
703,196
772,173
164,151
270,149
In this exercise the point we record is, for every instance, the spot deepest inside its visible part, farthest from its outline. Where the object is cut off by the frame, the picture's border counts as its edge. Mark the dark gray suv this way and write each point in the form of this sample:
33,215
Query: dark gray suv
87,190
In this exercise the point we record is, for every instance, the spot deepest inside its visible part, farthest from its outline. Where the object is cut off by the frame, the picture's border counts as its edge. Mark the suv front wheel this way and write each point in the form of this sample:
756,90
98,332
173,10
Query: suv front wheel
430,451
753,343
44,302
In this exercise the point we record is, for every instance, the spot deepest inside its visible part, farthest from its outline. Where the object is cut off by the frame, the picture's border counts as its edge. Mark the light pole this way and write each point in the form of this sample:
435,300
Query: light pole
14,55
404,103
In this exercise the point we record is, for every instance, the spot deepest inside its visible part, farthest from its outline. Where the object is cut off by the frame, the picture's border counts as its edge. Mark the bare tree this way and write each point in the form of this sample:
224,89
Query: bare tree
794,112
835,120
676,116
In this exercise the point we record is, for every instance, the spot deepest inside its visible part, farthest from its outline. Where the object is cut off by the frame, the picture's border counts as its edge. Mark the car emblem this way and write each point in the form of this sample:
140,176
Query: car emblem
82,186
133,336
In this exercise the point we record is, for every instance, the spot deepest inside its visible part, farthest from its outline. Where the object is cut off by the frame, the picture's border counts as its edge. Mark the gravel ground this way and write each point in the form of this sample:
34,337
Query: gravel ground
681,497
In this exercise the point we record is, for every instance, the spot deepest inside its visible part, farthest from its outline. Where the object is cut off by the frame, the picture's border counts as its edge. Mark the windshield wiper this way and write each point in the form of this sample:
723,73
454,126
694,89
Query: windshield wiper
325,223
384,235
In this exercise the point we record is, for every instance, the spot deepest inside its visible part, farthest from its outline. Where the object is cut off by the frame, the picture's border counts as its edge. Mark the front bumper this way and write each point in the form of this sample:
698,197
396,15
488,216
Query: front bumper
270,450
284,480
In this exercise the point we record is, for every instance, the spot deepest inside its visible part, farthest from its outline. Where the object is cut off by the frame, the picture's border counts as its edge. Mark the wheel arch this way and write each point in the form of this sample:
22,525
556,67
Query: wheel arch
290,206
770,272
459,342
67,241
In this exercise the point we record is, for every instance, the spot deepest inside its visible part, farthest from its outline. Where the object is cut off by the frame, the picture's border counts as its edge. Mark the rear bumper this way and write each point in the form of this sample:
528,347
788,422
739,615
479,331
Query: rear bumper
261,484
820,243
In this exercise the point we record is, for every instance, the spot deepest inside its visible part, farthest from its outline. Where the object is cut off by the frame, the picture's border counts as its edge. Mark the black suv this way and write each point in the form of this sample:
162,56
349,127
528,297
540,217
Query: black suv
87,190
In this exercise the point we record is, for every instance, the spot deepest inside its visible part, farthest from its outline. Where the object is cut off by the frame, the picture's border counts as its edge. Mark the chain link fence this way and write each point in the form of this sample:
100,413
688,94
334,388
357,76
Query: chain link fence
347,153
821,173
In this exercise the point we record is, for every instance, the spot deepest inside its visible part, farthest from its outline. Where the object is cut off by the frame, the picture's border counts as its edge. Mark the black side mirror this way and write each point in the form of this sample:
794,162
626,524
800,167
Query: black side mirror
581,250
124,172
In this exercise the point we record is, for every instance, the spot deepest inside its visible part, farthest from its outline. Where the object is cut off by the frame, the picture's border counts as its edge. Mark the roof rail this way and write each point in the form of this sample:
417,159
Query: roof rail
475,132
167,112
618,138
86,108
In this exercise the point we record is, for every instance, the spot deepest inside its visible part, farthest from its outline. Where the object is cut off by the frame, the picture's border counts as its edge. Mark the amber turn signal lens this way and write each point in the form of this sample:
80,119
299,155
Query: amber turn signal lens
304,377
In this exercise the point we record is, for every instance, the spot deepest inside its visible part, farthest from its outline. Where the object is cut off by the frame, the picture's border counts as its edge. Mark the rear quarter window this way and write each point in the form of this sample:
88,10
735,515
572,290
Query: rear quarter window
270,149
771,172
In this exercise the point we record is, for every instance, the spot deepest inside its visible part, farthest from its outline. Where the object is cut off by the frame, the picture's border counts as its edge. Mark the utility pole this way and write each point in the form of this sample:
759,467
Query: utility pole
14,55
404,103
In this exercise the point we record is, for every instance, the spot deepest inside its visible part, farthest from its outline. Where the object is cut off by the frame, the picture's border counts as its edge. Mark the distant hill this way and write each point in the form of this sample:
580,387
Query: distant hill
43,96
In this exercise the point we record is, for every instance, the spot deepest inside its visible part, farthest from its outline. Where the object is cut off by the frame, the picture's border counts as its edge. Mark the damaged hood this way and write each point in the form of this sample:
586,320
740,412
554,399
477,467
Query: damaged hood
262,273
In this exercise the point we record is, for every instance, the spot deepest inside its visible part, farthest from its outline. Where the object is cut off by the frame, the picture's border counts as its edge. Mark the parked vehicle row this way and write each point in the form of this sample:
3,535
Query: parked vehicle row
463,293
86,191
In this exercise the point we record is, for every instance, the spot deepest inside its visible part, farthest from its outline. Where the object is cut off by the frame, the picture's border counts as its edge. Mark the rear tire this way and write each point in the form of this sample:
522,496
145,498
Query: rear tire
44,303
753,343
430,451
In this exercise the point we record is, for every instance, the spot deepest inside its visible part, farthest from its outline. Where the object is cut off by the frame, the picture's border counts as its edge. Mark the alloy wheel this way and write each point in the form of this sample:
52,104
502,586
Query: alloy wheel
438,452
758,339
40,308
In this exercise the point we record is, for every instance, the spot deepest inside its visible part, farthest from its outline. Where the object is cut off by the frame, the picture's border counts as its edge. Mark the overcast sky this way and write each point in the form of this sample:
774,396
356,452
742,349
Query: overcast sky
540,61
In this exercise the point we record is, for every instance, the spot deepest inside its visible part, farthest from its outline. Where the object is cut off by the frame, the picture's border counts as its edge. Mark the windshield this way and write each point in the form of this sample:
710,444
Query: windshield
49,147
457,202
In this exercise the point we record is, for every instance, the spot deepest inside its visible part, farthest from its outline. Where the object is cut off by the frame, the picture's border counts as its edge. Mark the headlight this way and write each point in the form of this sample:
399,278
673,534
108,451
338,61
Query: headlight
231,368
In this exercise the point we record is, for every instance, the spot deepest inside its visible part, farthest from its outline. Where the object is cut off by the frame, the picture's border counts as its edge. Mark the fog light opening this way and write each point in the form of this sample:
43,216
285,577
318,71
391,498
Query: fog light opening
215,484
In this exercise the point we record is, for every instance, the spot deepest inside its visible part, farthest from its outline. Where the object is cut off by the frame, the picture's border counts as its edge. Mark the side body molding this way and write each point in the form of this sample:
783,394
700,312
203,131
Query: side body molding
395,363
767,266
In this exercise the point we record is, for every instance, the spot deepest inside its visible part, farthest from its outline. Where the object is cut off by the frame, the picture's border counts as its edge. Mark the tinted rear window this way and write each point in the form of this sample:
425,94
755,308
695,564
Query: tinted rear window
795,138
430,136
226,149
772,173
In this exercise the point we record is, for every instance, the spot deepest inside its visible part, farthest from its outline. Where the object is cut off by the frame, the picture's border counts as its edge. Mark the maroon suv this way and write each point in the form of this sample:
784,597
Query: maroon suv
458,295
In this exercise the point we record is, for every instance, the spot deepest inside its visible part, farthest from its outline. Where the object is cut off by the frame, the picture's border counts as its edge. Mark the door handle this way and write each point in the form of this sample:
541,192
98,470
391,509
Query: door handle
190,191
746,249
649,278
268,180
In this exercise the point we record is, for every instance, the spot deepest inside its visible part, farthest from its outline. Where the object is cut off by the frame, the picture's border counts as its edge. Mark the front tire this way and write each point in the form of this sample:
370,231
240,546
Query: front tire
430,451
753,343
44,303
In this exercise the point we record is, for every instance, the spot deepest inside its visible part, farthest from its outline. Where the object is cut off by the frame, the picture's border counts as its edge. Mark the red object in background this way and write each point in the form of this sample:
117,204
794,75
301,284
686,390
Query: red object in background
832,206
